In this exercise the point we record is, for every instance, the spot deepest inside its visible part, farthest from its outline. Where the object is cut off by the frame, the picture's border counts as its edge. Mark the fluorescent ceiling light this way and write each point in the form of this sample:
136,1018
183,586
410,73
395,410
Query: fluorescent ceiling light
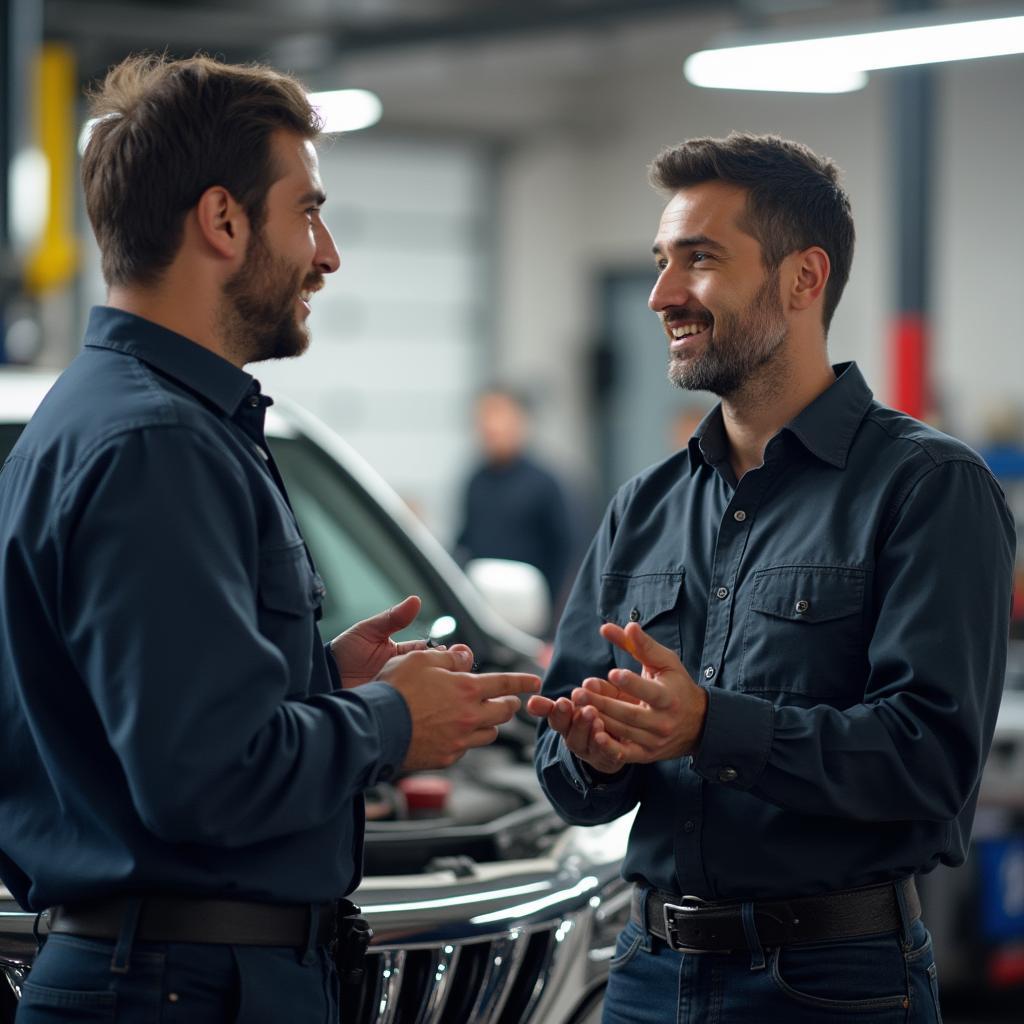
343,110
347,110
825,64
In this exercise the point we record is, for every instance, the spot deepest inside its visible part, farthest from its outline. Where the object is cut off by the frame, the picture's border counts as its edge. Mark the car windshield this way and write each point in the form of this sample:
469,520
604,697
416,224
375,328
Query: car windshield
366,563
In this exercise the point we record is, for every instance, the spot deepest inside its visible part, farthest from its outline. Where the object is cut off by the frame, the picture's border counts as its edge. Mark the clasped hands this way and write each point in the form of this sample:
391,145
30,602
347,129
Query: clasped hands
630,718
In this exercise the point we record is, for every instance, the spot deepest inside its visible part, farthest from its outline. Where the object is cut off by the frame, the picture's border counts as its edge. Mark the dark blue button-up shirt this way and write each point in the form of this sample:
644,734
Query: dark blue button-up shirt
169,718
846,605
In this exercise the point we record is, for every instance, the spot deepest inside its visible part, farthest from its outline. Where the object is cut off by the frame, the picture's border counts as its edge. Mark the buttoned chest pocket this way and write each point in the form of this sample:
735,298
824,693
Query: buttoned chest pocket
290,592
804,633
650,599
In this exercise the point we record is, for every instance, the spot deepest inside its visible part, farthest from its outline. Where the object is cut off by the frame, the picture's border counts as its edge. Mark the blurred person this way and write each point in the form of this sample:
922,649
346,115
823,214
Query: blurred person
182,760
512,506
787,641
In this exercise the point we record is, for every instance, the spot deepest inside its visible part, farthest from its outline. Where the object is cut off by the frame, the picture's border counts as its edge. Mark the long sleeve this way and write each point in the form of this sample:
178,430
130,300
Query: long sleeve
579,652
197,647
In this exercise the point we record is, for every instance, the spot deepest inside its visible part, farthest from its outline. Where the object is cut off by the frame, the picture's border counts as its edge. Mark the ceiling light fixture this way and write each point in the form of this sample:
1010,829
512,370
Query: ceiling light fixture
840,62
347,110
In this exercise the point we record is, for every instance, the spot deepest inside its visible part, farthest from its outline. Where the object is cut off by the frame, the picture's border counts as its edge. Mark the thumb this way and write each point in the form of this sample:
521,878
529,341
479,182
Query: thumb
395,619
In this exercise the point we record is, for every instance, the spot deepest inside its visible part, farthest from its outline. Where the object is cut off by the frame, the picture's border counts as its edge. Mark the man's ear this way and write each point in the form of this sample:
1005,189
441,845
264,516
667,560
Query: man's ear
223,224
809,276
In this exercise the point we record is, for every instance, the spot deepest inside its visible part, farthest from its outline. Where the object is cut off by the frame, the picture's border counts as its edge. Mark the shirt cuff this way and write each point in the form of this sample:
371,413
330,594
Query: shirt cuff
737,738
582,777
394,726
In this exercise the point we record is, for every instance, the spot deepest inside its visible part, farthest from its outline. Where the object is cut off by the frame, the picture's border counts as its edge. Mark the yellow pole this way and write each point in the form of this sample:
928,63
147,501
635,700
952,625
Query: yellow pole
54,260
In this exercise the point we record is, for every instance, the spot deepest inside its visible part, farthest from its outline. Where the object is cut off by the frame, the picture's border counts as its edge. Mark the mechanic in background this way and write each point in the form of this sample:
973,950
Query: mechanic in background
182,760
514,507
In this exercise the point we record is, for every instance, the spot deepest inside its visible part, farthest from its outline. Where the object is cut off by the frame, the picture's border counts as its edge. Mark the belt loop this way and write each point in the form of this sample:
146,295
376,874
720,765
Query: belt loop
643,891
757,960
906,923
309,953
40,938
121,959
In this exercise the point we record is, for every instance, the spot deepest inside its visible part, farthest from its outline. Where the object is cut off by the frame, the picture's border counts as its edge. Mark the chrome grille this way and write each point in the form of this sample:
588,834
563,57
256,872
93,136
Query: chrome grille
496,980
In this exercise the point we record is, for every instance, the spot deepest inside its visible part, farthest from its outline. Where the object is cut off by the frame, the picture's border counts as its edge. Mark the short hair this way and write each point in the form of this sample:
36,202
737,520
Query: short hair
794,198
166,131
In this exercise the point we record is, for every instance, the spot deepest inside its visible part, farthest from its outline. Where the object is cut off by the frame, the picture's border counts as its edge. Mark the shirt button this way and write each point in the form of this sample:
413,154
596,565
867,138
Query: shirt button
739,515
722,593
254,402
802,606
634,615
689,826
709,672
728,775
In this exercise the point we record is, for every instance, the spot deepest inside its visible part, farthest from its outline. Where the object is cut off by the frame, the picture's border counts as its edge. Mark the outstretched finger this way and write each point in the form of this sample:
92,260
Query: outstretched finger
503,684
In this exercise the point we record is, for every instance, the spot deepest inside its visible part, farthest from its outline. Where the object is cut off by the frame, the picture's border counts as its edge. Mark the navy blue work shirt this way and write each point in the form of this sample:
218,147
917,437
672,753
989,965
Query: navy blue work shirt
170,720
846,605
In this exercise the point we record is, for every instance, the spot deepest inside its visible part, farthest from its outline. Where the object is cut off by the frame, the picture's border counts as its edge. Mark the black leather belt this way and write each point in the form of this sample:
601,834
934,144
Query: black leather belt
227,922
691,925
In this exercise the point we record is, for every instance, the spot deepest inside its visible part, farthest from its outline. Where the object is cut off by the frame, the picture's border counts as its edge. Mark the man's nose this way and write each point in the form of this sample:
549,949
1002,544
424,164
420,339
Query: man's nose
669,290
327,259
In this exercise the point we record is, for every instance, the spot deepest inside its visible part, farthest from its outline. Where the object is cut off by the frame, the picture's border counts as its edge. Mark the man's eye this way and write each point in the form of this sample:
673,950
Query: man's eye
660,265
700,257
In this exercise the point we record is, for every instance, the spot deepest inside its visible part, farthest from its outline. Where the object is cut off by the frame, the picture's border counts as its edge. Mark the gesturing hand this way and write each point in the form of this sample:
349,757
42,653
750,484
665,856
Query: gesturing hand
657,716
581,728
365,648
452,709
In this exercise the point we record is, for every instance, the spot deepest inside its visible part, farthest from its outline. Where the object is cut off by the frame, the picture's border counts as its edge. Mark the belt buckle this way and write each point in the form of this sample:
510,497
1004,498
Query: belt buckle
686,905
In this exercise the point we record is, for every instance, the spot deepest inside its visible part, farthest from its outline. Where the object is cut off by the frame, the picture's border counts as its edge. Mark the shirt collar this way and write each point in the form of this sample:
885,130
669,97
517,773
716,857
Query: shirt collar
187,362
825,428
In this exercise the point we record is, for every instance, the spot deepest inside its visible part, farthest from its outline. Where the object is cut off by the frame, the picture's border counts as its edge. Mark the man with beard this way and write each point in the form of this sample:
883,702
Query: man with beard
181,758
787,641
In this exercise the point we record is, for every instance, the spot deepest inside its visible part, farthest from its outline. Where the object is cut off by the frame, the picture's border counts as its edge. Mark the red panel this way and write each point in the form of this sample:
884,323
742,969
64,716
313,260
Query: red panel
909,365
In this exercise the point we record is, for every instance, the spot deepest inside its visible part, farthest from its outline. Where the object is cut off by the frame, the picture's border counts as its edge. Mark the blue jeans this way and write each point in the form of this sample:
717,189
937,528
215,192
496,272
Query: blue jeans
178,983
885,979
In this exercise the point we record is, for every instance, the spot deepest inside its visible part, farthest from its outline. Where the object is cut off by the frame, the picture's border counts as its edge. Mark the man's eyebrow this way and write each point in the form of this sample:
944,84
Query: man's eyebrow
315,196
688,243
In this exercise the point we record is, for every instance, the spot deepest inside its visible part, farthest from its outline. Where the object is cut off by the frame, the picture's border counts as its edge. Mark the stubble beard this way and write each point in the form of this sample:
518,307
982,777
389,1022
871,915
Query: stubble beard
740,345
258,312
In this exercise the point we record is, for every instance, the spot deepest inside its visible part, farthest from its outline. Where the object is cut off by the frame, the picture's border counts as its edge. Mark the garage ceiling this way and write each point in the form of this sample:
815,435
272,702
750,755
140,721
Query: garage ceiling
485,68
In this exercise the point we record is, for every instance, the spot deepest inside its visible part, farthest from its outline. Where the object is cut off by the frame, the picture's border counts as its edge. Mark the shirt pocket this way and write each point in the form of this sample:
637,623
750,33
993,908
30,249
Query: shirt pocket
290,595
287,583
649,599
804,633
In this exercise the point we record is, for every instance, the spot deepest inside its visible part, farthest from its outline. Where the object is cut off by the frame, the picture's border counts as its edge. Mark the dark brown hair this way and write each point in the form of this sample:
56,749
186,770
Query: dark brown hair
166,131
794,199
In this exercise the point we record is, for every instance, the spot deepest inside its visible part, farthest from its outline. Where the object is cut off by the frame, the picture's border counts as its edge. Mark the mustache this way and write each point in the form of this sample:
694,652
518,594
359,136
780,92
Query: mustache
313,283
687,313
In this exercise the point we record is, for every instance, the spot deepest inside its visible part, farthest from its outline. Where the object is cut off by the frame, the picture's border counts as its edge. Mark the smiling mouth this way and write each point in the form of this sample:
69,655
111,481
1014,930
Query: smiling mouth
683,335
